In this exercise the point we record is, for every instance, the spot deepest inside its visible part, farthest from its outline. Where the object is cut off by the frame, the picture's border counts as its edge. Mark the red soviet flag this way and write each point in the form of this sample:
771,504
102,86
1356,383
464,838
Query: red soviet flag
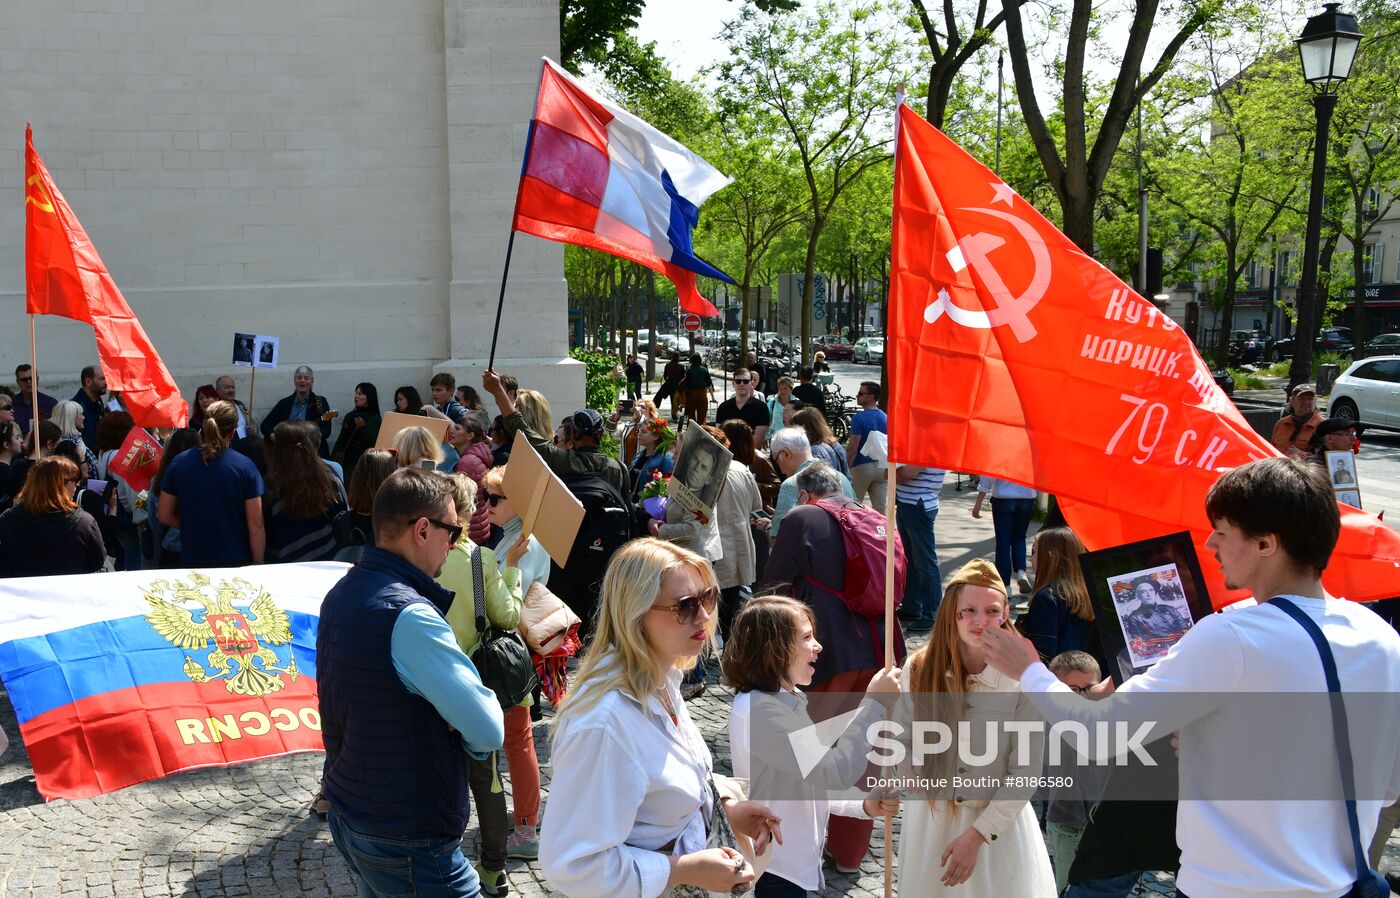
1014,354
65,276
138,459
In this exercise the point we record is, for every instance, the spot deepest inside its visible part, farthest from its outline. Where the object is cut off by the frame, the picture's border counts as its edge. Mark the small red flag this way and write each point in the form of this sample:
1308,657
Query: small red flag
137,460
1014,354
65,276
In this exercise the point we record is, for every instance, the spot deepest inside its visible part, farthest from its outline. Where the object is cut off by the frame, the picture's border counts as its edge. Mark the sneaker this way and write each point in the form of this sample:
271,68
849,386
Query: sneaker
692,690
523,843
319,805
1023,582
918,625
493,882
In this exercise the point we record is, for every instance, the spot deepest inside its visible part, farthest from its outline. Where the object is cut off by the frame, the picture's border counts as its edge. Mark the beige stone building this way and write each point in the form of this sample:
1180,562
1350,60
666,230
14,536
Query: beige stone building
338,173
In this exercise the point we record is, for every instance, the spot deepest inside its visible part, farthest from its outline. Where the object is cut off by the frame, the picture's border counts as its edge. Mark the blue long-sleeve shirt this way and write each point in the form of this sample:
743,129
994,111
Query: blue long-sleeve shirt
431,665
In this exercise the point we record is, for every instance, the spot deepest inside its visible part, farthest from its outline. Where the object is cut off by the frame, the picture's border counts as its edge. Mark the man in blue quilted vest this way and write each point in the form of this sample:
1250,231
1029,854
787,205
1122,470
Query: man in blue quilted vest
401,707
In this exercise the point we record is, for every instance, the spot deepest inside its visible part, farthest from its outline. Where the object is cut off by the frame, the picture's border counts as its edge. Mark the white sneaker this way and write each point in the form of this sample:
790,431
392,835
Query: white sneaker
1023,582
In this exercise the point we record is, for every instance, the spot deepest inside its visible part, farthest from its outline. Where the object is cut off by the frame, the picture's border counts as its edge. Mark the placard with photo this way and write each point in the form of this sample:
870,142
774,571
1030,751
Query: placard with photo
700,472
1146,595
267,349
1341,470
244,349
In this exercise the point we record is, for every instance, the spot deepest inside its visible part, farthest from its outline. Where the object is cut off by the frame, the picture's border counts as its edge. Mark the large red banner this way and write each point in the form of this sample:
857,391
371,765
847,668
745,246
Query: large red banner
65,276
1014,354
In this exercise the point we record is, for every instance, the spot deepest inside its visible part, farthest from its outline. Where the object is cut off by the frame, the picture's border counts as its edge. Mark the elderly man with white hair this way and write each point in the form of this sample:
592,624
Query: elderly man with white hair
792,453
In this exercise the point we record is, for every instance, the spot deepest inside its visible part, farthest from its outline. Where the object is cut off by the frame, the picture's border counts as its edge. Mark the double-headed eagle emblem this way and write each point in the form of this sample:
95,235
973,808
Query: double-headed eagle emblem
240,639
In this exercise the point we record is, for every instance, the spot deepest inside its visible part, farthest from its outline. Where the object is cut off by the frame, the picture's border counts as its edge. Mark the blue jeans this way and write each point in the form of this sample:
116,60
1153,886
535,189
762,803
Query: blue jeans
386,866
923,586
1119,886
1011,518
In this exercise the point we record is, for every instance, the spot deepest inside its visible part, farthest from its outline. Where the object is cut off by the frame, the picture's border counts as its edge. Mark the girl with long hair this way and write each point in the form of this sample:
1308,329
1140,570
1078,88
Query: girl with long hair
302,498
1060,617
770,654
824,443
359,430
166,540
224,488
636,801
534,408
46,533
68,418
467,435
968,841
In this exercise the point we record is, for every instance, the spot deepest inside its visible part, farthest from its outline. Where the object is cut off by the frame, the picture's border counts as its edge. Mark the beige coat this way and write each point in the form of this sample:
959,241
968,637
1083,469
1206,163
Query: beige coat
737,502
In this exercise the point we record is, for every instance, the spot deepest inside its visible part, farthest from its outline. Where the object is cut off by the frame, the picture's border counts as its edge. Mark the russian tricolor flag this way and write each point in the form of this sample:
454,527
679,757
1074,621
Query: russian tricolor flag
595,175
119,678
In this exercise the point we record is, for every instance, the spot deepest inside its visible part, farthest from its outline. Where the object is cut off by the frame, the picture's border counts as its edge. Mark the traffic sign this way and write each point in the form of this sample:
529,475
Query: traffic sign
692,322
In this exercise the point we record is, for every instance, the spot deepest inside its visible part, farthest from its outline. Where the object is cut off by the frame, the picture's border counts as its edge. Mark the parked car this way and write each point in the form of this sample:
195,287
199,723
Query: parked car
868,351
1329,339
834,345
1383,344
1369,392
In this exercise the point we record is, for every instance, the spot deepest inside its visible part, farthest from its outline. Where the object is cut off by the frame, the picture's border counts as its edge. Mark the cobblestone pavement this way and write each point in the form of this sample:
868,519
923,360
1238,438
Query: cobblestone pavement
245,831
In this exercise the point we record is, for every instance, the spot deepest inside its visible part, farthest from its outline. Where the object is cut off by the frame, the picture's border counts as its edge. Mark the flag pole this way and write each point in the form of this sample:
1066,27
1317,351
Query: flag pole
501,300
510,244
252,395
34,389
890,531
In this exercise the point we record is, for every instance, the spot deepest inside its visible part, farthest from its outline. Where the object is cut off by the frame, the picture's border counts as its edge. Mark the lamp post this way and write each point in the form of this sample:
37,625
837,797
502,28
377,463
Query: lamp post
1327,48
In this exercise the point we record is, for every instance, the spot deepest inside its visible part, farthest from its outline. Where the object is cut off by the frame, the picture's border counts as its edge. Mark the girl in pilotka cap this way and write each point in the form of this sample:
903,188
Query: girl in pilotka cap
981,840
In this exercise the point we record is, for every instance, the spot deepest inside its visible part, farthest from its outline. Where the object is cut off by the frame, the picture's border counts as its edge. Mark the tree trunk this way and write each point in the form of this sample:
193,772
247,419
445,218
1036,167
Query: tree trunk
1358,325
809,269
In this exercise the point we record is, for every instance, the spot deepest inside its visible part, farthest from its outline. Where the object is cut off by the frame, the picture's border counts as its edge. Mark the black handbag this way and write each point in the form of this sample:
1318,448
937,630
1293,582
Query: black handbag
1369,883
500,656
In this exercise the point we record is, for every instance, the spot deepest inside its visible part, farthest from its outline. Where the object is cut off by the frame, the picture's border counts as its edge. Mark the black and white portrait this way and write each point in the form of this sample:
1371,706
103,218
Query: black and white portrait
243,349
267,351
700,471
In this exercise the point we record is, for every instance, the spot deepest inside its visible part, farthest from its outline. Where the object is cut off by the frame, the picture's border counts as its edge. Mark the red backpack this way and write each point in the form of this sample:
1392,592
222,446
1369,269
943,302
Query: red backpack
863,530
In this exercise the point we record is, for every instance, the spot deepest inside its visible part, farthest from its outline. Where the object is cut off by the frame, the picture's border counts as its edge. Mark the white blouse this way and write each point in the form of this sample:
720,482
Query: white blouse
626,781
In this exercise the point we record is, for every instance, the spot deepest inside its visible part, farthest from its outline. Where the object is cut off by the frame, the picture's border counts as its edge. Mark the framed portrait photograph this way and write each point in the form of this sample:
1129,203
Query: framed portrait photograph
244,349
700,471
1341,470
1146,595
266,356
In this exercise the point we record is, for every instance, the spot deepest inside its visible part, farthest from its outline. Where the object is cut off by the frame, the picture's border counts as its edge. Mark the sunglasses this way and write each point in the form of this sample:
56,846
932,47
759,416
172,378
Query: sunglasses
454,532
6,407
493,499
742,380
687,608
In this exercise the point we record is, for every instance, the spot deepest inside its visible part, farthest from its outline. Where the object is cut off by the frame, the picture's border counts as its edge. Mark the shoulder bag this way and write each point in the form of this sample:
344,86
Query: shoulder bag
500,656
1369,883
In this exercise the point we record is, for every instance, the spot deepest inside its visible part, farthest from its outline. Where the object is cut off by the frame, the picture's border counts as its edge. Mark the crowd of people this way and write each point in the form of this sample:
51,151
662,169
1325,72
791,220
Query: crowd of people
414,732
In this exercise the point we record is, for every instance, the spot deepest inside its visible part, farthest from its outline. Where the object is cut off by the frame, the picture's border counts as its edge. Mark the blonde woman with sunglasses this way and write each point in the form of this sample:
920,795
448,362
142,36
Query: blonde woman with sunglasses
633,801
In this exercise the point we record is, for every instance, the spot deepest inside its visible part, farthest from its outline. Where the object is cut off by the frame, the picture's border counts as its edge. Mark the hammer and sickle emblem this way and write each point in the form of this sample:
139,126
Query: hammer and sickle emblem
1010,310
43,201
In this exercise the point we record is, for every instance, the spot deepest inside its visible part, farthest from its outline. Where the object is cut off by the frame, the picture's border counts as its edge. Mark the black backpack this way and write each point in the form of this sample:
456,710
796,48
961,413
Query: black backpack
609,521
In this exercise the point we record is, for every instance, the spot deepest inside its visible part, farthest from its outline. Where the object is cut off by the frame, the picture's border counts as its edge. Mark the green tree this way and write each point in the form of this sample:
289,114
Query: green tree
827,77
1077,163
1242,166
952,41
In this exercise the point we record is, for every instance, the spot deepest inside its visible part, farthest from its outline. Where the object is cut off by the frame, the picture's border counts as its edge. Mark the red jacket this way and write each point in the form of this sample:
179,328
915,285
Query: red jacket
475,462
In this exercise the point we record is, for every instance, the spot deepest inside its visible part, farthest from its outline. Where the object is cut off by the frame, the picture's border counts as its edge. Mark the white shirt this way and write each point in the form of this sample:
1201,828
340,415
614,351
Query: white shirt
1004,489
799,858
626,781
1283,848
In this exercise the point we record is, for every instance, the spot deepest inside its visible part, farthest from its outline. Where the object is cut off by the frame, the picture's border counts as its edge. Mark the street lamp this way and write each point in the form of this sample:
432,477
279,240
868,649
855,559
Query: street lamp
1326,49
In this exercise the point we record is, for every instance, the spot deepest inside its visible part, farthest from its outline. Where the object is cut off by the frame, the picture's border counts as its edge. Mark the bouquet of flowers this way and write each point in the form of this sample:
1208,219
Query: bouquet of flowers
654,495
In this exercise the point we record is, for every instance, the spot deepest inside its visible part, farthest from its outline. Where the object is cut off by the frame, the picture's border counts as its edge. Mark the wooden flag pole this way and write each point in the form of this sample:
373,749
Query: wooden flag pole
252,395
890,531
34,389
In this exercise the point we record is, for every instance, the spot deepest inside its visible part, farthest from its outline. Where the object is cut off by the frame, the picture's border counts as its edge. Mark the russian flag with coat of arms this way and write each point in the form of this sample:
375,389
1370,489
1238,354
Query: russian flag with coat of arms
597,176
120,678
